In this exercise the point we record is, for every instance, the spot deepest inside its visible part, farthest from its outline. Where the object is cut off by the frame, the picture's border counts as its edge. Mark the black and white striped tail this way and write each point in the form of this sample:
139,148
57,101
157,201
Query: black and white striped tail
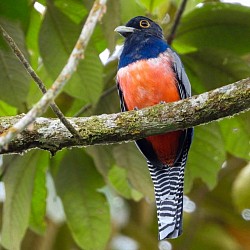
168,185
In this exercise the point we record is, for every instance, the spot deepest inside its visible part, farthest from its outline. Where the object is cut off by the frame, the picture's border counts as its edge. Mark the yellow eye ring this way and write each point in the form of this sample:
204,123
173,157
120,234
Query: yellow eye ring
144,24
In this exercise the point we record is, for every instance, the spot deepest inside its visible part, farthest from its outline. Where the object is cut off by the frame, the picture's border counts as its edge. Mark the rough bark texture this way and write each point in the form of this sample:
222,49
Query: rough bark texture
51,135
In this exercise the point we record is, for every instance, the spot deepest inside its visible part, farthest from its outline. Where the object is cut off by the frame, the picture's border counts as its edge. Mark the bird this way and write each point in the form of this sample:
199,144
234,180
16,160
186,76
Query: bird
150,72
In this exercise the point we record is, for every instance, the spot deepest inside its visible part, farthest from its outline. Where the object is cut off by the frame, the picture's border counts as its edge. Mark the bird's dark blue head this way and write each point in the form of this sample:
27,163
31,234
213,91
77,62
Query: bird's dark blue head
140,24
143,40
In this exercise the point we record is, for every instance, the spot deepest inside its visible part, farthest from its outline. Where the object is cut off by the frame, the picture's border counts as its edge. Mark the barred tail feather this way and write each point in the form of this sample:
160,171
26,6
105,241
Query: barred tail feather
168,185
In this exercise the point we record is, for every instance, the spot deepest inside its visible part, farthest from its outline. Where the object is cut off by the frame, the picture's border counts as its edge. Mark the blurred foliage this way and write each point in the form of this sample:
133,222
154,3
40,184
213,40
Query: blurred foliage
94,182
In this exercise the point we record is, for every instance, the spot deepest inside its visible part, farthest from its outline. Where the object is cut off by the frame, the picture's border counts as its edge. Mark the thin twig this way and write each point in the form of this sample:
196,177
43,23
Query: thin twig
176,21
39,82
41,106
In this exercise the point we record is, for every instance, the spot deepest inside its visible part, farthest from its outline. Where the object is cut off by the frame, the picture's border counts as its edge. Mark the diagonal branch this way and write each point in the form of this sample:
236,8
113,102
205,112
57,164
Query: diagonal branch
176,21
38,81
51,135
39,108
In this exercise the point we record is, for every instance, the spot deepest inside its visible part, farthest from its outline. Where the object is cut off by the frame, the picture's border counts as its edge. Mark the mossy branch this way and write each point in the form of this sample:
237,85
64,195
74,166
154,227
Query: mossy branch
51,135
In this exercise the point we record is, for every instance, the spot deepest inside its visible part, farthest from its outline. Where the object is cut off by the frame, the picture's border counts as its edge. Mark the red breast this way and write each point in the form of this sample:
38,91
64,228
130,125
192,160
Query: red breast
148,82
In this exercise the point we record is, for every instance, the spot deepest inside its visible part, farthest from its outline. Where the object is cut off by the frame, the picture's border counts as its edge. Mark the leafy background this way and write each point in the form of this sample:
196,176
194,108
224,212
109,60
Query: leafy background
101,197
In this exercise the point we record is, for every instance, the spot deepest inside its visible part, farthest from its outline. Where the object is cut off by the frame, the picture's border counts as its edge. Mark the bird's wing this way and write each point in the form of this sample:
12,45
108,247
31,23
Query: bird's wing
183,81
168,181
122,102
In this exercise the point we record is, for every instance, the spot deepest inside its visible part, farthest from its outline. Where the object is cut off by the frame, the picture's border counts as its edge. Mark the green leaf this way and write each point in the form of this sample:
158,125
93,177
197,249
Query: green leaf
7,110
190,5
205,156
14,80
130,9
86,209
38,203
109,101
213,68
58,36
110,21
153,6
109,104
18,180
215,25
34,93
74,9
56,160
118,180
196,83
129,157
32,38
236,134
146,4
43,2
241,187
102,157
16,12
86,83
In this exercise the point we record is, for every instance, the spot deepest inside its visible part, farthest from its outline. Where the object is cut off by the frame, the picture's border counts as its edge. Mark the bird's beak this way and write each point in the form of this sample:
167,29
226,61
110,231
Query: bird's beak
124,30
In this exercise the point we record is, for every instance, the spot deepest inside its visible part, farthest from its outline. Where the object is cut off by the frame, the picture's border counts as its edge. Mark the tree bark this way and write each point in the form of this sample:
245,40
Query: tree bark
50,134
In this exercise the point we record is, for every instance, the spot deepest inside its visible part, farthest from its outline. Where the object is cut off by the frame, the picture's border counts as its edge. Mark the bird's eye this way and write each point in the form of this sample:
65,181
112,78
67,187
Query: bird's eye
144,24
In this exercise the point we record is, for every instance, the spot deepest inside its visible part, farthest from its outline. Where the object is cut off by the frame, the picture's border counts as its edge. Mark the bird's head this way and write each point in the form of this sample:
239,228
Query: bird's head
140,24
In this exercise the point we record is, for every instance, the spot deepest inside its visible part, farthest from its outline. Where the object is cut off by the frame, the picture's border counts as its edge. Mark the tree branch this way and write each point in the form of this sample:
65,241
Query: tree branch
78,52
38,81
51,135
176,22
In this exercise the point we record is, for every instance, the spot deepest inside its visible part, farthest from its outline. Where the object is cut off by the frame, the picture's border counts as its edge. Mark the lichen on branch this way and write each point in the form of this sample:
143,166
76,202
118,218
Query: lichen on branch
51,135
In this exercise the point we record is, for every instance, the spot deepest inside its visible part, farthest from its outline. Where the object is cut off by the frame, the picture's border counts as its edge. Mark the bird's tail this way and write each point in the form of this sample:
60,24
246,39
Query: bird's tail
168,185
